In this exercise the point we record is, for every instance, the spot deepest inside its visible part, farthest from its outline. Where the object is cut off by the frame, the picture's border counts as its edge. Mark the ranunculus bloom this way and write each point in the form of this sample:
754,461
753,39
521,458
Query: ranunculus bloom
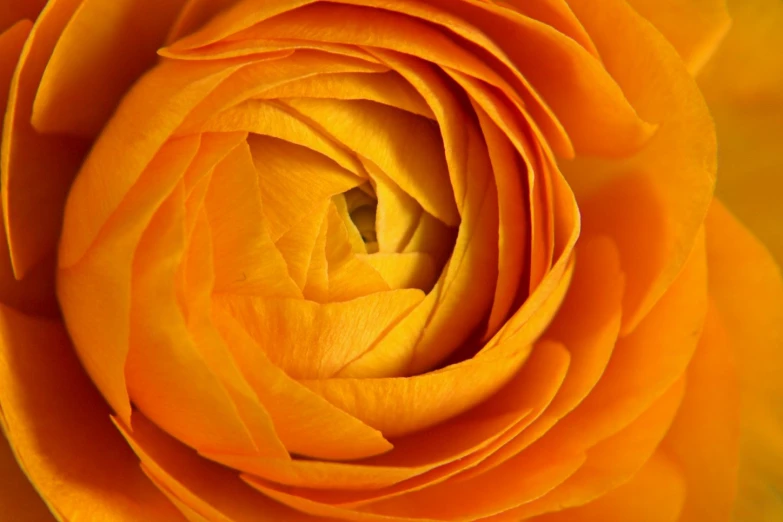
391,260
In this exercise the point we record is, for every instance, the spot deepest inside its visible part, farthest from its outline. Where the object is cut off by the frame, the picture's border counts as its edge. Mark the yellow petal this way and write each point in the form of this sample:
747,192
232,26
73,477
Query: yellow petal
406,270
294,180
95,82
59,429
313,341
246,259
445,318
388,88
747,290
405,147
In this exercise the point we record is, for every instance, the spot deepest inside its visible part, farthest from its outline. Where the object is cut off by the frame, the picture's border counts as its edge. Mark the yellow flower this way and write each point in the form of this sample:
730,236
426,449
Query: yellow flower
391,260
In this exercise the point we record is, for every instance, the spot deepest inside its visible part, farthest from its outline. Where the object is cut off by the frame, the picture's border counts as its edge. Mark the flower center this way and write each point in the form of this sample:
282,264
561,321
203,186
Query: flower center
362,208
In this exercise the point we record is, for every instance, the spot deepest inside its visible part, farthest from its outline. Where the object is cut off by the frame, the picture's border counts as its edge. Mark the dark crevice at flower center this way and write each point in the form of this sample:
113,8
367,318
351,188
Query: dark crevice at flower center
362,208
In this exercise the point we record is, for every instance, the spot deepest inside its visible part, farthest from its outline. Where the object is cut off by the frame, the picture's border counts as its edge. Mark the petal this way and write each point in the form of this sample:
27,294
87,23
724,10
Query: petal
743,85
308,340
212,491
95,293
297,412
704,439
35,293
294,180
655,494
19,499
672,176
245,257
95,82
694,28
164,361
58,426
747,289
16,10
36,170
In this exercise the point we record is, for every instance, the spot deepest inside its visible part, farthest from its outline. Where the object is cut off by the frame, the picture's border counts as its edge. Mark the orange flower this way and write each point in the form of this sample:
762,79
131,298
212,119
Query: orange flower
390,260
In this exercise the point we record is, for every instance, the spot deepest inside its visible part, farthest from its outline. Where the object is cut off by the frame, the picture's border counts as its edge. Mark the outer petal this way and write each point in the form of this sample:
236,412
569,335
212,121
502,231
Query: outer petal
35,293
694,27
743,85
19,500
15,10
60,430
84,80
748,292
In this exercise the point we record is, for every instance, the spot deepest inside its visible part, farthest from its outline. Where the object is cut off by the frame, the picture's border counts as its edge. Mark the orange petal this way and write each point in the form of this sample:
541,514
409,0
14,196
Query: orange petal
444,317
677,166
35,293
98,33
95,293
19,499
747,290
297,412
200,278
404,146
387,88
400,405
429,457
245,257
294,180
36,170
313,341
610,463
127,145
59,430
16,10
655,494
695,29
163,360
212,491
349,276
298,244
743,85
587,101
704,439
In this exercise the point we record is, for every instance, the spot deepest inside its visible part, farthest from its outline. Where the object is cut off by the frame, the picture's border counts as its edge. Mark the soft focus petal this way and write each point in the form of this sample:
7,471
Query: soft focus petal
60,431
19,500
747,289
16,10
743,85
704,439
694,27
653,204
